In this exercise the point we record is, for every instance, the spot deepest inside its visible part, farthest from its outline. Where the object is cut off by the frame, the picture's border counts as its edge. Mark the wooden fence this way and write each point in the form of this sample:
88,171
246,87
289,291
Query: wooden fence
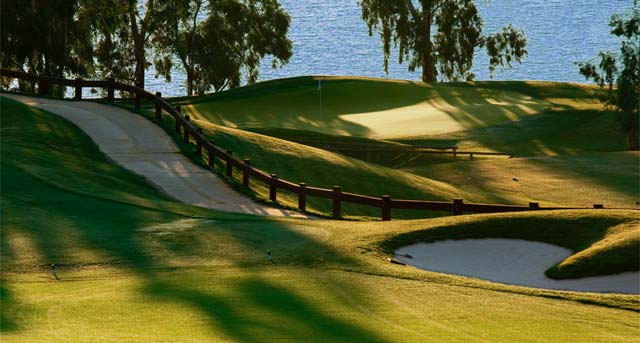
453,151
188,131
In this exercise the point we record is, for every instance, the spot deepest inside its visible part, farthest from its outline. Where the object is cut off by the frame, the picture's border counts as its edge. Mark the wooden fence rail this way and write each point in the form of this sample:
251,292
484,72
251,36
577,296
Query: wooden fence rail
453,151
207,149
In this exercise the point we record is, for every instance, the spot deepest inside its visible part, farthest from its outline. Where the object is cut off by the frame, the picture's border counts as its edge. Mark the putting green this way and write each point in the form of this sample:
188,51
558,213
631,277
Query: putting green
379,108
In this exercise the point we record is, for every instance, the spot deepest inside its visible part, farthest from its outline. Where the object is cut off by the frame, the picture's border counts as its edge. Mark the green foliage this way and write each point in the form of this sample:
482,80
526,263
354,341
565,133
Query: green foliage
451,49
231,41
43,37
626,96
504,47
123,31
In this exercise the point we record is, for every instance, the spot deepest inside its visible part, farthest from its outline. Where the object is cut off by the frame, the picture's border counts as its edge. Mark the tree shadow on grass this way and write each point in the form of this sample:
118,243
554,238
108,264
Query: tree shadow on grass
8,310
269,311
113,232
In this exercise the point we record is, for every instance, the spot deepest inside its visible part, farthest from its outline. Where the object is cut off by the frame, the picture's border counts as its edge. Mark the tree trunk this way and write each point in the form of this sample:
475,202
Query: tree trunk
138,35
189,82
140,63
428,62
428,66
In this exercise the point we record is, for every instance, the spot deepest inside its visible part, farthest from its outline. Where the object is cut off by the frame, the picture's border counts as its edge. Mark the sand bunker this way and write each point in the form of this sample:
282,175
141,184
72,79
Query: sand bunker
510,261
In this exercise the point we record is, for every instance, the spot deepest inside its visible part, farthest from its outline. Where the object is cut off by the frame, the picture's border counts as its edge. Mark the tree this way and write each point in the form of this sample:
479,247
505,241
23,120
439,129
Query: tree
44,38
233,39
623,85
122,31
408,25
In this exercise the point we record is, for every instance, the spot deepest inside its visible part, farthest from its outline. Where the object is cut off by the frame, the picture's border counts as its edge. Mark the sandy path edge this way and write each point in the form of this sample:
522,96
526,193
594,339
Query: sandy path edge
142,147
510,261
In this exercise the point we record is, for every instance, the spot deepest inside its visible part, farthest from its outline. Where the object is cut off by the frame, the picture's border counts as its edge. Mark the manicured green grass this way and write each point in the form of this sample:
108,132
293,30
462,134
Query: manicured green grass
522,117
612,179
383,152
364,107
321,168
135,266
563,148
551,133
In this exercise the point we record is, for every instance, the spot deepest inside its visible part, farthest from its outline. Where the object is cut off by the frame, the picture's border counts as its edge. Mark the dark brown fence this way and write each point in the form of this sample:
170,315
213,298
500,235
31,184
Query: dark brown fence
453,151
188,131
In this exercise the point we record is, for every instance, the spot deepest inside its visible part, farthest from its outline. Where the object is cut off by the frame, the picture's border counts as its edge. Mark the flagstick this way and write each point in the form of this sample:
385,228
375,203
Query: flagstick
320,89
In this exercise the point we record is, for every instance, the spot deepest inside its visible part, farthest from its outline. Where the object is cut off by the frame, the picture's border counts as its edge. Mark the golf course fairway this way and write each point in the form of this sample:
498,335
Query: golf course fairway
137,266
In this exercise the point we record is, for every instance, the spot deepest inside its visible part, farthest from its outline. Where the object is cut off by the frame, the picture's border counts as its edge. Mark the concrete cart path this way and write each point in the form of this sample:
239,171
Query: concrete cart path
144,148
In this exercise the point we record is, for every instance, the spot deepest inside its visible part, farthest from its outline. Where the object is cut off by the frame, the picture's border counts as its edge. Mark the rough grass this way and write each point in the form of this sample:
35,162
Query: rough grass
143,268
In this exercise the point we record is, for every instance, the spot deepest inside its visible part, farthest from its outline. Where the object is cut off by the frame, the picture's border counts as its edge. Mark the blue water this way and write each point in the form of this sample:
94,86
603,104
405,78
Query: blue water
330,38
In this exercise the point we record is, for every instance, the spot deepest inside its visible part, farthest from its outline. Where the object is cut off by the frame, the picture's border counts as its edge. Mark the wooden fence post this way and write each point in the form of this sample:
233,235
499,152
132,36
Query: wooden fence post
199,141
272,187
457,206
110,89
302,197
78,92
177,122
455,153
229,165
336,202
534,206
138,96
212,159
245,172
158,108
386,207
43,86
186,132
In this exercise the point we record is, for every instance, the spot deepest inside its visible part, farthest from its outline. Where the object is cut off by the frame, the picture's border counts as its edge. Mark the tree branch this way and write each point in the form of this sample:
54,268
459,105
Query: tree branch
144,32
134,25
412,9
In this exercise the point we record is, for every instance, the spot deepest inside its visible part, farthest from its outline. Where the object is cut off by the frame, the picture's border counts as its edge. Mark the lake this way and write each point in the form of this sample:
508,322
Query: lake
330,38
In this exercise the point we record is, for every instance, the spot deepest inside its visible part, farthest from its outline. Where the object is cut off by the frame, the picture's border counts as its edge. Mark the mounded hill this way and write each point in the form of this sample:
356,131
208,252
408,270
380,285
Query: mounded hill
564,142
385,109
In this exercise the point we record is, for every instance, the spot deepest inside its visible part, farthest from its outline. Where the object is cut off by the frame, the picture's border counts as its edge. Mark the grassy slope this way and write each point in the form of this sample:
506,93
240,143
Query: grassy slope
172,273
573,123
364,107
573,180
383,152
321,168
566,145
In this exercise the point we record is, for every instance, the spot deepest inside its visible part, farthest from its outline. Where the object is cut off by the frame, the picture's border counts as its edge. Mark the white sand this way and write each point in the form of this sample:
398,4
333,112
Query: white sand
144,148
510,261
